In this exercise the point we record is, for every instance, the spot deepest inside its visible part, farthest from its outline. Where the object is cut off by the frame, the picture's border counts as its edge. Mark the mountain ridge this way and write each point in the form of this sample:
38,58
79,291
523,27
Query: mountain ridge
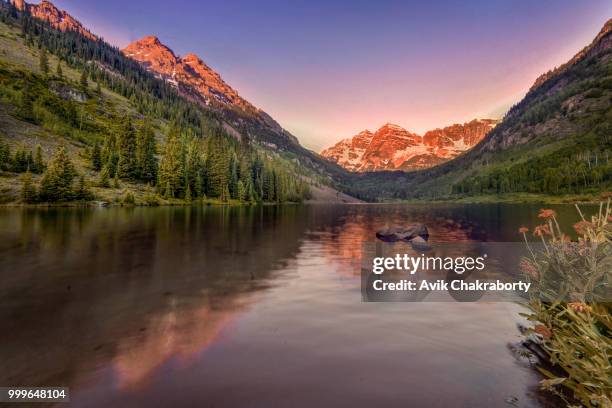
55,17
194,80
558,123
556,140
189,70
392,147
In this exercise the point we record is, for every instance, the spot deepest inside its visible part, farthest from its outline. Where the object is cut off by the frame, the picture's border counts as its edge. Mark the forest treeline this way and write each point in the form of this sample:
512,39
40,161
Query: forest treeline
189,167
581,168
106,65
196,160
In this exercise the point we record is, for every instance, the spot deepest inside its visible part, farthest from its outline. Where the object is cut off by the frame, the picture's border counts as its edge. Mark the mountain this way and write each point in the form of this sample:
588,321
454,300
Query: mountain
556,141
557,99
165,88
57,18
394,148
188,73
597,42
198,82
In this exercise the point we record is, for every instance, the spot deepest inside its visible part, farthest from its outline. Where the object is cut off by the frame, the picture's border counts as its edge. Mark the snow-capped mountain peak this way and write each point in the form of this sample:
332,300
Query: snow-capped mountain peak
392,147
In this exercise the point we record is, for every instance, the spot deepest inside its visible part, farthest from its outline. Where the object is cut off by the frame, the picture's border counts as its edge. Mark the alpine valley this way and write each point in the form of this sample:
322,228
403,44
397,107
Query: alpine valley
555,142
81,120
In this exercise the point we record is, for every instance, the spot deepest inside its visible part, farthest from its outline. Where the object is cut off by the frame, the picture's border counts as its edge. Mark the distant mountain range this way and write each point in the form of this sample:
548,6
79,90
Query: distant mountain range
556,140
394,148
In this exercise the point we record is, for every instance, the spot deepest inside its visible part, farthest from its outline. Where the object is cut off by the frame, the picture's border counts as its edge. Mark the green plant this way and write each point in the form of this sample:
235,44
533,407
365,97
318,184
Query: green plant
570,306
128,199
28,189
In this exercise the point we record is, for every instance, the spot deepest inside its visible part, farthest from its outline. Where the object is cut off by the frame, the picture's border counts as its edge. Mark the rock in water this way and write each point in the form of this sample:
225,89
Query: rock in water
407,233
419,244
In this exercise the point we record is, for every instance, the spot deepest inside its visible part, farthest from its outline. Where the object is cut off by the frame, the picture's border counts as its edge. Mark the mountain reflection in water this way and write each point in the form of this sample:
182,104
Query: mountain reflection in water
253,306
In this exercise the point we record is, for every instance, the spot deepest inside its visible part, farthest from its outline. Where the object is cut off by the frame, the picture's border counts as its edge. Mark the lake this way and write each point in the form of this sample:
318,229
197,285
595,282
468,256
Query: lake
248,306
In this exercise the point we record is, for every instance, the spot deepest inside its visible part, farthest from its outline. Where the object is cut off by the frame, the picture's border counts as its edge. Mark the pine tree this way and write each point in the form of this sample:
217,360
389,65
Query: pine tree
82,191
225,194
5,156
84,83
56,183
44,61
108,148
233,179
96,157
193,164
168,192
26,106
39,165
111,163
171,169
20,161
29,161
104,177
241,192
59,72
145,153
28,190
127,167
218,166
198,185
188,193
251,192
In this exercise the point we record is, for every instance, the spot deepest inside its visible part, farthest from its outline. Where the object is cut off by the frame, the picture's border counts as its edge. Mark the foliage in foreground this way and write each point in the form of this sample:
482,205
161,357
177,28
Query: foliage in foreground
571,308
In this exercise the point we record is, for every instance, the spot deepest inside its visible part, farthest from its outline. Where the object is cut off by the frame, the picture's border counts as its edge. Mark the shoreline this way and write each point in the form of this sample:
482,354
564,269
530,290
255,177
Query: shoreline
106,204
233,203
509,199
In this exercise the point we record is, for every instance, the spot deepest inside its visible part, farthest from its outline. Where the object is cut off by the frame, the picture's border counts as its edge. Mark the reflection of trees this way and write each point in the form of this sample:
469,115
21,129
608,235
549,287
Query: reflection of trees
137,286
84,288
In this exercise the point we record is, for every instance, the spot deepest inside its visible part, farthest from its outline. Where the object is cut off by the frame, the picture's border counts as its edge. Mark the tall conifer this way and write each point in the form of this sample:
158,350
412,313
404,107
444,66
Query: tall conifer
127,166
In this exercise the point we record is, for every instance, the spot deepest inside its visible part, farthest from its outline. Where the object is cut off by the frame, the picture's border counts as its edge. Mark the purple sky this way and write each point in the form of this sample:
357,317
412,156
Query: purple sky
326,70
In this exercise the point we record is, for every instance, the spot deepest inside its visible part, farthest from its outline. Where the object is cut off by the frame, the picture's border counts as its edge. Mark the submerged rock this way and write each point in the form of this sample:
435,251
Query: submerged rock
407,233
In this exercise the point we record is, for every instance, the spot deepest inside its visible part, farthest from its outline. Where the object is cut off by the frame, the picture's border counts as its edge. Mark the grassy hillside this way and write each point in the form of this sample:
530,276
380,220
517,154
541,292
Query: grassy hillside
556,142
83,110
553,145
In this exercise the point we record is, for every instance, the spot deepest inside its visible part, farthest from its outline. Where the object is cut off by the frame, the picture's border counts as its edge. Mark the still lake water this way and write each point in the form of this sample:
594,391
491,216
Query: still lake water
255,307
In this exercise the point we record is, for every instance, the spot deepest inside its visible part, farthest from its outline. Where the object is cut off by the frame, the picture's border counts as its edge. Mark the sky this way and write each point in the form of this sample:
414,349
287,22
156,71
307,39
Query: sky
325,70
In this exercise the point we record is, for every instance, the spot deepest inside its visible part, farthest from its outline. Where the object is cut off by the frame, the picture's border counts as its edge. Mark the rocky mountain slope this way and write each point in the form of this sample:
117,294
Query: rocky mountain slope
169,85
57,18
597,42
394,148
189,73
195,80
557,140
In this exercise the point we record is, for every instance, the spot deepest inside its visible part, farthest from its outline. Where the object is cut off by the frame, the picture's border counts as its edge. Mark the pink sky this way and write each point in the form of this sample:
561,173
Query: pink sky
327,70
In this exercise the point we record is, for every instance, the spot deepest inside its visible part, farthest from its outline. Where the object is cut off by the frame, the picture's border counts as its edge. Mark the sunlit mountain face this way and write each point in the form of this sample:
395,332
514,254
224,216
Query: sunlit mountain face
394,148
57,18
189,71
